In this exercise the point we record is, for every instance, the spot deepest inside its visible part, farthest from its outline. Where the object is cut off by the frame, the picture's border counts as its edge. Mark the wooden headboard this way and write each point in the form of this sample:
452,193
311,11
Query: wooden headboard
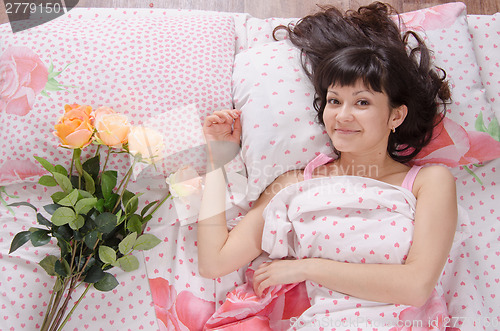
274,8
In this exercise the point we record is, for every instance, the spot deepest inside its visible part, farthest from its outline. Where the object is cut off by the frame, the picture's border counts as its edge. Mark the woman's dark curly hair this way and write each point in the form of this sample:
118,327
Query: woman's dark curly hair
368,45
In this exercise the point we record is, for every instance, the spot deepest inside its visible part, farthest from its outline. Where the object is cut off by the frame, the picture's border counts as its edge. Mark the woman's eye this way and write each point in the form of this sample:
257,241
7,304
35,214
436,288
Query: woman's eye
363,103
333,101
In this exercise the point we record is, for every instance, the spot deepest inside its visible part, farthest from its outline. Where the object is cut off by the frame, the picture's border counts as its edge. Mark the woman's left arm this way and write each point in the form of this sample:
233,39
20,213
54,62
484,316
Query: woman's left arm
410,283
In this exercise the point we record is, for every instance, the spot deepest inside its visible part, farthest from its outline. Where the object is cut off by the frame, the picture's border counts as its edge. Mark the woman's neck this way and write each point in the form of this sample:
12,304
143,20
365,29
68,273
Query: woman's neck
371,166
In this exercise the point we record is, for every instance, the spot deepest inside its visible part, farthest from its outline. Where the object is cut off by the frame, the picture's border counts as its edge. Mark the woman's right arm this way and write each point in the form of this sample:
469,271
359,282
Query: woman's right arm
220,251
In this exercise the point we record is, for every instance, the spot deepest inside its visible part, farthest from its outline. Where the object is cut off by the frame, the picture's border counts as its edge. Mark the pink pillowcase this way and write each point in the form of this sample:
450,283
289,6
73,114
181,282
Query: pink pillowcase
139,66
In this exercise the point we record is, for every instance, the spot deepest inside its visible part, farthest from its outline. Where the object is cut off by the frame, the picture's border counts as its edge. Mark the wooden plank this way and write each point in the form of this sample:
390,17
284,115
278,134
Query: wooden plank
275,8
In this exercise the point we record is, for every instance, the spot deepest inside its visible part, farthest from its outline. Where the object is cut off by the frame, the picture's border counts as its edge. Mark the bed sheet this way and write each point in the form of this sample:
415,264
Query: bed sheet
167,292
24,285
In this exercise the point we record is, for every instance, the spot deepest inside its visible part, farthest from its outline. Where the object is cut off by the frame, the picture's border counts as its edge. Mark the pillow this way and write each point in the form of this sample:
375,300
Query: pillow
139,66
485,30
279,128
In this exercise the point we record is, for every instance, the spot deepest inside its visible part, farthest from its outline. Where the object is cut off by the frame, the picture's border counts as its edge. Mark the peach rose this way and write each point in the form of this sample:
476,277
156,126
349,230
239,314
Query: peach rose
102,111
74,128
22,77
112,128
145,143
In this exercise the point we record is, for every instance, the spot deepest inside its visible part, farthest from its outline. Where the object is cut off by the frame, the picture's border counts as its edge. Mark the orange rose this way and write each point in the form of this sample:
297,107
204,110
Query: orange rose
74,128
112,128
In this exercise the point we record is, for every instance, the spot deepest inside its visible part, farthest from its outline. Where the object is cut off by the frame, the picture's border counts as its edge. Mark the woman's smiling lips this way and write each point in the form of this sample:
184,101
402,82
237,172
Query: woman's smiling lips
346,131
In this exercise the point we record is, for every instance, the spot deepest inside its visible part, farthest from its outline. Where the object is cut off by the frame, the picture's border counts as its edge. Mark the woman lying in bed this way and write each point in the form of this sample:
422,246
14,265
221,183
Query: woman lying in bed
368,234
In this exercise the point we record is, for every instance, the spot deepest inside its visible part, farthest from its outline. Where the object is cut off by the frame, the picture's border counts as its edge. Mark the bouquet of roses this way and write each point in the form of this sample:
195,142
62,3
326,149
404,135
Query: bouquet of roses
94,218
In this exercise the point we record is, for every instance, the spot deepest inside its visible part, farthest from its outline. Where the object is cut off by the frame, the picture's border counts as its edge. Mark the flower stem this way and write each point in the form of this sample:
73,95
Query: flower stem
52,309
124,183
160,203
107,159
60,313
87,288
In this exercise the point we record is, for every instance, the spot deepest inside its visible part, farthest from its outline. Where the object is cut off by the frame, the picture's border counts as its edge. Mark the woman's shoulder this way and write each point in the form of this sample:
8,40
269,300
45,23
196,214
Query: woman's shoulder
434,176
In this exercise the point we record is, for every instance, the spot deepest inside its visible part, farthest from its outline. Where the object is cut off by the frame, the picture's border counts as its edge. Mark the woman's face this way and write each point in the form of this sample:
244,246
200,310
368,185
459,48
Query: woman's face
358,119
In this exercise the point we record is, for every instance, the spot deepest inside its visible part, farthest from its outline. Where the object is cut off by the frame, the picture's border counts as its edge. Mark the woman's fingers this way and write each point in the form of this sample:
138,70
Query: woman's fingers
222,116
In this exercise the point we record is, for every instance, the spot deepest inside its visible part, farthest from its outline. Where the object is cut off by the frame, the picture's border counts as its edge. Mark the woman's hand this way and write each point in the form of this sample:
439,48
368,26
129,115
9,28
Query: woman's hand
223,125
222,132
277,272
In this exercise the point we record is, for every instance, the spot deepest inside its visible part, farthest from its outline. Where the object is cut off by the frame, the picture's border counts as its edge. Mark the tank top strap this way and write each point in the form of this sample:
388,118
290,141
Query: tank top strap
316,162
410,177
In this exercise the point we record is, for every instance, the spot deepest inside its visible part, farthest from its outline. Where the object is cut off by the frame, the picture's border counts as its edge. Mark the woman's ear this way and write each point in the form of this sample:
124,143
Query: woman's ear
398,116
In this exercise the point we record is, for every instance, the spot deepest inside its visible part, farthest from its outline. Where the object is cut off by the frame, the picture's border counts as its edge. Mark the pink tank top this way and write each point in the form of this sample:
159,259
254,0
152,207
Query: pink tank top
322,159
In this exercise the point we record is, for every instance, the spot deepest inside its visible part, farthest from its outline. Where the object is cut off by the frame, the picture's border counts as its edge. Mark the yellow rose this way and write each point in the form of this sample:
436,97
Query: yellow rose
145,143
184,182
112,129
74,128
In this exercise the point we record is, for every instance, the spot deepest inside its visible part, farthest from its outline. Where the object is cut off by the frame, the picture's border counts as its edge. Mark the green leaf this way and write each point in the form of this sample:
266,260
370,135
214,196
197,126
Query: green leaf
22,203
56,197
70,199
120,217
132,205
90,239
63,182
89,182
108,183
94,274
46,164
146,242
106,222
127,195
60,169
48,264
65,232
62,242
107,283
100,205
77,223
149,205
84,194
20,239
107,254
63,215
128,263
42,220
494,129
127,244
479,124
83,206
39,237
47,181
134,224
51,208
52,85
92,166
473,174
110,202
62,268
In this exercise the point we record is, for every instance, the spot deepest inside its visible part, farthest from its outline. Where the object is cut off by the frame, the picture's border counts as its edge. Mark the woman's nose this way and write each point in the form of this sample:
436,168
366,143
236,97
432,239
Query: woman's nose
344,113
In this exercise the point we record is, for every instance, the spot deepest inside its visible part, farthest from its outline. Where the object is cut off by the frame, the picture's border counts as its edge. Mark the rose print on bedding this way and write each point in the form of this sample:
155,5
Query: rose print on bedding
182,311
22,76
15,170
244,310
438,17
433,315
454,146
